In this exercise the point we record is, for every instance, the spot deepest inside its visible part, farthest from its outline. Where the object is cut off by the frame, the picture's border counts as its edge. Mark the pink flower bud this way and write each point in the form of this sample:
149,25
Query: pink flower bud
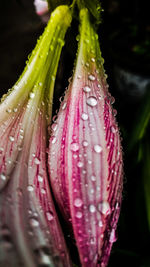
30,233
85,155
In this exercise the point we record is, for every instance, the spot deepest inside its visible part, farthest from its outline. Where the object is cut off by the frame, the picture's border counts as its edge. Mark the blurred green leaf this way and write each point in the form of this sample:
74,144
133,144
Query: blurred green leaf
146,176
141,123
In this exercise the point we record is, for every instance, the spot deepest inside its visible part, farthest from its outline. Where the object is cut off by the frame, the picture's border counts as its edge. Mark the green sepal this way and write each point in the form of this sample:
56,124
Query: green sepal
55,3
94,8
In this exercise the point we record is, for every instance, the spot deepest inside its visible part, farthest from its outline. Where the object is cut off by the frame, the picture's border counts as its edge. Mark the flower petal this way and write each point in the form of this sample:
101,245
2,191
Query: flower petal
85,157
30,233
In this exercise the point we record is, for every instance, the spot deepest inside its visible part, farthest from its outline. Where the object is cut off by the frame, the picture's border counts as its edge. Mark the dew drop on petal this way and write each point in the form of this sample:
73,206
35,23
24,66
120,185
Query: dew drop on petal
85,143
97,148
30,188
80,164
93,59
114,112
79,215
85,259
11,138
54,126
15,110
34,222
49,216
87,89
43,191
8,110
78,202
84,116
64,105
112,100
113,129
112,237
40,178
37,161
91,101
100,224
91,77
92,208
53,139
74,147
93,178
32,95
3,176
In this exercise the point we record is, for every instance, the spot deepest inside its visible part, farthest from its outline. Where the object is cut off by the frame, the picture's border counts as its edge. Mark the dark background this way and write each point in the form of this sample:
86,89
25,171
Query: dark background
125,43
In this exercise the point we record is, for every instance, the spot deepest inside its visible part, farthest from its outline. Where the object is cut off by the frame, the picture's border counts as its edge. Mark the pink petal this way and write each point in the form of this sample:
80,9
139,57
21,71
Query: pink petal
85,159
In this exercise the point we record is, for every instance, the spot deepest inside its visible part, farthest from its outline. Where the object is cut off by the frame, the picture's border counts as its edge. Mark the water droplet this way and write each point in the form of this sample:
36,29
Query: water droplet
80,164
87,89
34,222
113,129
93,59
37,161
79,215
3,176
112,237
112,100
43,191
85,143
97,148
40,178
8,110
77,37
49,216
54,125
85,259
11,138
104,208
92,208
30,188
100,224
64,105
91,101
74,147
32,95
91,77
53,139
84,116
15,110
114,112
93,178
78,202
